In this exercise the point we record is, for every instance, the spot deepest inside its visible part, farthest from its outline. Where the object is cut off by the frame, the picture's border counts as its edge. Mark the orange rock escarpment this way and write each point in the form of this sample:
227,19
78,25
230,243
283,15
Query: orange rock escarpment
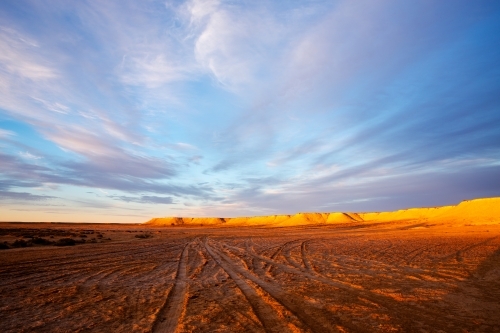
477,211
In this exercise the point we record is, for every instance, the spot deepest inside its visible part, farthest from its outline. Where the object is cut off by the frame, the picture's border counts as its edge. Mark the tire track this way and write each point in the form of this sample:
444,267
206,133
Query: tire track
257,265
46,274
267,267
313,317
435,282
416,253
288,256
170,314
42,270
381,252
457,255
264,312
78,257
359,291
305,260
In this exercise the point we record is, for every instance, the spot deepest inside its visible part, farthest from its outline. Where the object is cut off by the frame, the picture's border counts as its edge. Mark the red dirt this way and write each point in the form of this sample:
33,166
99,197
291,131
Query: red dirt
404,276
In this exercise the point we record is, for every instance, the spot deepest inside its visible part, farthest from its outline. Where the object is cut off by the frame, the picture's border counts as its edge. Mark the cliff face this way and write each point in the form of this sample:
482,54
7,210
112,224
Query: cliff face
477,211
271,220
405,214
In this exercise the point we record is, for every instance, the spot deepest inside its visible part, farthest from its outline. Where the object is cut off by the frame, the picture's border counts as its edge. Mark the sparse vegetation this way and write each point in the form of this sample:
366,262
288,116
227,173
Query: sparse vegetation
28,237
41,241
65,242
21,243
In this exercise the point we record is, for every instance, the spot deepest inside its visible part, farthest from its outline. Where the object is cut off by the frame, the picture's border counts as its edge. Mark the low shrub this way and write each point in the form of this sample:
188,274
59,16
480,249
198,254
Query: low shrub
41,241
65,242
20,243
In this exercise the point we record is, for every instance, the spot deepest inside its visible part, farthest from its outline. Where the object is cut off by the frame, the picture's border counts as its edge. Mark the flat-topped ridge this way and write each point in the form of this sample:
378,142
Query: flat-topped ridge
475,211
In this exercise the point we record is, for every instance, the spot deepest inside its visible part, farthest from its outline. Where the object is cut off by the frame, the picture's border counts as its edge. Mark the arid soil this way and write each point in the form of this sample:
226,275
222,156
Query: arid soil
405,276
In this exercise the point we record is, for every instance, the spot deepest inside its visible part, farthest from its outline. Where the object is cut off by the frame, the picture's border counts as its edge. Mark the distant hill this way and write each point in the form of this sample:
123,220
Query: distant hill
476,211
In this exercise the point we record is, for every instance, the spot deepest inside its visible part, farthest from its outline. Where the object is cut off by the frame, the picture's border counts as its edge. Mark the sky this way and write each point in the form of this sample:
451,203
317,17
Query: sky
120,111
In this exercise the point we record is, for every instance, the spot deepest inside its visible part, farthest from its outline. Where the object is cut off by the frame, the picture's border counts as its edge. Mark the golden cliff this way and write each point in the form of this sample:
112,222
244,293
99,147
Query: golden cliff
477,211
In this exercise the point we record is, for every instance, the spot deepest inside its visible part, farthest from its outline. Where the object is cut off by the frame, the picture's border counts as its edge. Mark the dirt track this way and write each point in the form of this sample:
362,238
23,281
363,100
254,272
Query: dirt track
401,277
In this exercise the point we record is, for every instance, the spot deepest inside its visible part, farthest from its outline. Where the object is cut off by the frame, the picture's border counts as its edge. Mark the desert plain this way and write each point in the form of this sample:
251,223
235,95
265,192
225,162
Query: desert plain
421,270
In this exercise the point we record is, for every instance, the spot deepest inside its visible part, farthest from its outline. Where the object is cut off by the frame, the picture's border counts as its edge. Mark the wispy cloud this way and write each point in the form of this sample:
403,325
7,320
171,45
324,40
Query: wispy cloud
147,199
6,134
22,196
19,57
29,156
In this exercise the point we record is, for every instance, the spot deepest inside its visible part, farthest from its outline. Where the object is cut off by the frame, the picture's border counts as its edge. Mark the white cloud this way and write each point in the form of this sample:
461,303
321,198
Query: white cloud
152,70
233,44
81,141
201,9
29,156
53,106
5,133
184,146
18,59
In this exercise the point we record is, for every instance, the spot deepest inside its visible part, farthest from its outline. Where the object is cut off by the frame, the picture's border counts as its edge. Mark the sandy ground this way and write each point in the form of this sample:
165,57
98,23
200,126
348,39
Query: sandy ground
407,276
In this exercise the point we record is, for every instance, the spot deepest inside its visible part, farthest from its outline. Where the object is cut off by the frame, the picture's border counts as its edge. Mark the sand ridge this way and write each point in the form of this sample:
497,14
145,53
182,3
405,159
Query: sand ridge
475,212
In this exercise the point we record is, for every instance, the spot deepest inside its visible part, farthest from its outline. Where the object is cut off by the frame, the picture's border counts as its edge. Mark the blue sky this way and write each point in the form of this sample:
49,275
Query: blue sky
118,111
